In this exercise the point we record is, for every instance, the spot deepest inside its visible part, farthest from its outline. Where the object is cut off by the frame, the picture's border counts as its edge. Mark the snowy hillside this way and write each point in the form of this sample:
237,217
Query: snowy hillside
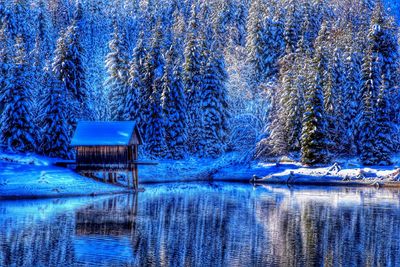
202,78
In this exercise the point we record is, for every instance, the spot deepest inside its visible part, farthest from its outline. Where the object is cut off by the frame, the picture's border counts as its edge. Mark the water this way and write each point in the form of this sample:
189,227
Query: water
206,225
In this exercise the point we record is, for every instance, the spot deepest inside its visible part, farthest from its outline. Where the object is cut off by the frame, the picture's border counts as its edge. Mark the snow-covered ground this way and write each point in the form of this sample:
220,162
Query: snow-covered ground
31,176
345,172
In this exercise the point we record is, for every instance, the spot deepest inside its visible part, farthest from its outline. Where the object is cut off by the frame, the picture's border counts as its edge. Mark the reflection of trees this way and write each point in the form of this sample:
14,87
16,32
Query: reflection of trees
210,226
207,227
311,232
31,245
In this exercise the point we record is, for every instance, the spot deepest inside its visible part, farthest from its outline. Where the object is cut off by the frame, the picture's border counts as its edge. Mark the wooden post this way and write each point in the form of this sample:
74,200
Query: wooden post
135,177
128,179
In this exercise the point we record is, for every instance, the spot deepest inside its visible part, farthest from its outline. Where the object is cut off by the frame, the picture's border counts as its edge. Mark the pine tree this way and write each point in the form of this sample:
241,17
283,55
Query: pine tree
292,27
352,93
155,131
41,54
334,102
5,62
274,47
214,102
257,50
54,119
384,128
192,80
68,67
68,62
174,106
368,151
17,129
313,137
117,68
135,102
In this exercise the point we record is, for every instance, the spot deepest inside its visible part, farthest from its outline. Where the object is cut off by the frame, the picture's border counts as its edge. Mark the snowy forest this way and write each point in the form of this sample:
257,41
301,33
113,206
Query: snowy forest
267,78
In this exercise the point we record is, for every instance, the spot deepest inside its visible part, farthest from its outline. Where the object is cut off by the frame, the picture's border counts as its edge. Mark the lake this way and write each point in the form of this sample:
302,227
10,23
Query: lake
206,224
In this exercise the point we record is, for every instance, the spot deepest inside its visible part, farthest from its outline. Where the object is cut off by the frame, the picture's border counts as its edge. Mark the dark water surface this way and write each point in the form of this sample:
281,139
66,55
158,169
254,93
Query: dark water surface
206,225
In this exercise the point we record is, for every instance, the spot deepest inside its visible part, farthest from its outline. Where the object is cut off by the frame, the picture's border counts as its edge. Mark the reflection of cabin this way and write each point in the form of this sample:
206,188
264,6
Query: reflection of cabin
115,216
107,146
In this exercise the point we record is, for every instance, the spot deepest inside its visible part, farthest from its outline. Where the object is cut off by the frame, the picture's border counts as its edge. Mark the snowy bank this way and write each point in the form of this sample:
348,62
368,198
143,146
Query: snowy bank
31,176
189,169
343,173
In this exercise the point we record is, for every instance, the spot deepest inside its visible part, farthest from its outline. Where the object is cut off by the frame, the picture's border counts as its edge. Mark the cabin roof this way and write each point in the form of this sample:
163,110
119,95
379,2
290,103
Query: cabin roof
104,133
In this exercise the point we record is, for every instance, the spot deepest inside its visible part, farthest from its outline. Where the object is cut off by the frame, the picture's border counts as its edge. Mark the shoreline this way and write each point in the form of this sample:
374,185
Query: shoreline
33,177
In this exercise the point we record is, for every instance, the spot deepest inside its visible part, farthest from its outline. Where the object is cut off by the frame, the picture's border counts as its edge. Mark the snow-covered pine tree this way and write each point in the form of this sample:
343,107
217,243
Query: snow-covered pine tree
334,102
174,106
313,137
76,82
68,66
384,127
257,52
155,131
40,55
352,93
292,26
55,134
5,62
17,129
285,128
118,73
135,103
367,138
390,69
193,79
214,101
274,47
239,35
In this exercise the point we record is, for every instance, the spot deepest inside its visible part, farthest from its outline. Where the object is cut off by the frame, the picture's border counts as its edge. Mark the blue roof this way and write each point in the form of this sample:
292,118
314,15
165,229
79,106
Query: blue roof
104,133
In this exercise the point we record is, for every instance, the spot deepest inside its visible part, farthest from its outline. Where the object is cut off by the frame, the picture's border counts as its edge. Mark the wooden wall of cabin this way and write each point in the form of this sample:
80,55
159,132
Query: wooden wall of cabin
133,152
104,155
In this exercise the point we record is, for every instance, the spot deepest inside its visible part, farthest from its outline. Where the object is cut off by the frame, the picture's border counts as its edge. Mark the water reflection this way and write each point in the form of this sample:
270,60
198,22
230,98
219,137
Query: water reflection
206,225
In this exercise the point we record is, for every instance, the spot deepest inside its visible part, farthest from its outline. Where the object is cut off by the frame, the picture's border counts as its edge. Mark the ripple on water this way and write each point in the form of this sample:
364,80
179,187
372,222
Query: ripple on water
206,225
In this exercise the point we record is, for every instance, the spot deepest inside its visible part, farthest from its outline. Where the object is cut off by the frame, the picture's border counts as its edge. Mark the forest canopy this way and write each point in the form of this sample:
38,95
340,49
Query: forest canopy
268,78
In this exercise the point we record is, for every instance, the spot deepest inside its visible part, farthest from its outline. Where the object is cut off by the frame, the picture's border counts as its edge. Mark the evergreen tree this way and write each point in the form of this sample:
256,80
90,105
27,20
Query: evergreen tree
135,102
334,102
54,119
174,106
352,93
68,61
292,27
257,50
368,151
68,67
383,131
5,62
214,102
192,80
17,129
313,137
118,75
155,131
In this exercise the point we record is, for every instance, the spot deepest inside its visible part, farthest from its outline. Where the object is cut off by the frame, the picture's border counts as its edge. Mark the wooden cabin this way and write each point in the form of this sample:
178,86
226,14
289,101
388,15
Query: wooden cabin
106,144
107,147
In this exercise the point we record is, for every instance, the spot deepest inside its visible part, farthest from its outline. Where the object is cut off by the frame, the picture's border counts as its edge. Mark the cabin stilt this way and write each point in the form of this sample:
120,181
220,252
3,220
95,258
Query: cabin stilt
110,148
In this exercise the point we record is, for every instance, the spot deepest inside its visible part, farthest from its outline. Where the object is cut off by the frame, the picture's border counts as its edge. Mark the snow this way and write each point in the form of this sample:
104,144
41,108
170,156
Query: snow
33,177
345,172
103,133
